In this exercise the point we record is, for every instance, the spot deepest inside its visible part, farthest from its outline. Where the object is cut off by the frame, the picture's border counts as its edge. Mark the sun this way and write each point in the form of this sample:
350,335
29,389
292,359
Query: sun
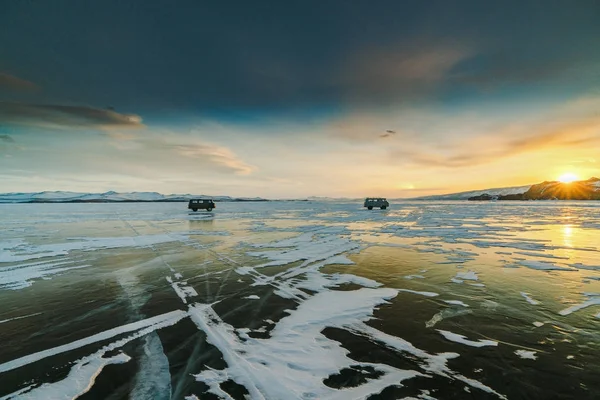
568,177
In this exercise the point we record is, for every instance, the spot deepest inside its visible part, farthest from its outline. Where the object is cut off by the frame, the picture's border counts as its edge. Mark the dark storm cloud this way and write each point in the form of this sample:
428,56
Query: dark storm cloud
65,116
265,55
12,82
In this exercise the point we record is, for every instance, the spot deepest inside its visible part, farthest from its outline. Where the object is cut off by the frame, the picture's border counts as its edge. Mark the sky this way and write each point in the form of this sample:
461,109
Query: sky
289,99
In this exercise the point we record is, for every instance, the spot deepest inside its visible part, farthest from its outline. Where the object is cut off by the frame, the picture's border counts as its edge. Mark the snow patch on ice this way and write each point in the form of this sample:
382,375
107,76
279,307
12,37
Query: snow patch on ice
455,337
80,380
182,289
414,277
307,249
525,354
426,294
540,254
529,299
456,303
252,297
543,266
297,357
594,300
16,318
20,276
467,276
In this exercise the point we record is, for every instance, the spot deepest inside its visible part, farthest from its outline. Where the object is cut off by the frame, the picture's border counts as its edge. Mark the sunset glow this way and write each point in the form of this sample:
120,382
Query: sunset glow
568,177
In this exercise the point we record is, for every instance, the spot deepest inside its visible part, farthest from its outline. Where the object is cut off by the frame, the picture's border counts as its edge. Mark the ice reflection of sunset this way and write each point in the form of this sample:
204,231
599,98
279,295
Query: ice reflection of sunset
567,233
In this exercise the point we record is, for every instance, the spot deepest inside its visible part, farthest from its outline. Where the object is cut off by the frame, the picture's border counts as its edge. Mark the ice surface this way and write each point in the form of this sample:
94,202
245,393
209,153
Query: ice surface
333,265
83,374
24,252
153,379
436,364
454,337
445,314
153,323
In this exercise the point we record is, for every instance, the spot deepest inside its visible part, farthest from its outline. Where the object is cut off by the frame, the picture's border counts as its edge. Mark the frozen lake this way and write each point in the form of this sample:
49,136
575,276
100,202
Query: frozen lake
300,300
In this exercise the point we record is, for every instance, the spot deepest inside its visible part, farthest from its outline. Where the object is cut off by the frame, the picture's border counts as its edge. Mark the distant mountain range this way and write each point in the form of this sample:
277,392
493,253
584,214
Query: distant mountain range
109,197
472,193
550,190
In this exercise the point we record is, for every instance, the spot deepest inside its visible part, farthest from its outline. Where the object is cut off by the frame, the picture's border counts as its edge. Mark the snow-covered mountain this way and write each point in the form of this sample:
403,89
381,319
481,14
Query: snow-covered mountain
465,195
578,190
550,190
108,197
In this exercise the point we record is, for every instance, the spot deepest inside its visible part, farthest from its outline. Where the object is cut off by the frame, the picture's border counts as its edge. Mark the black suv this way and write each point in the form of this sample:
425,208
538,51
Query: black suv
201,204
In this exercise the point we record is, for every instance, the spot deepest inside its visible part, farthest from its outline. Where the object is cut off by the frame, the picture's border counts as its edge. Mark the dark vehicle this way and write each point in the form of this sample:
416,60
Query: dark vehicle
201,204
380,202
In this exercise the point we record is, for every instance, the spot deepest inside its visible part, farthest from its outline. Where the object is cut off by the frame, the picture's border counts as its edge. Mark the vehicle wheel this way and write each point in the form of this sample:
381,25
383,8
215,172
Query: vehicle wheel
194,209
370,208
209,209
383,207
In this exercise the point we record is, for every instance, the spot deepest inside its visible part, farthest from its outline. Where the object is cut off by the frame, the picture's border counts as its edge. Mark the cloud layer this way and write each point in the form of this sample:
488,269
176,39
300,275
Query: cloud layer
65,116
